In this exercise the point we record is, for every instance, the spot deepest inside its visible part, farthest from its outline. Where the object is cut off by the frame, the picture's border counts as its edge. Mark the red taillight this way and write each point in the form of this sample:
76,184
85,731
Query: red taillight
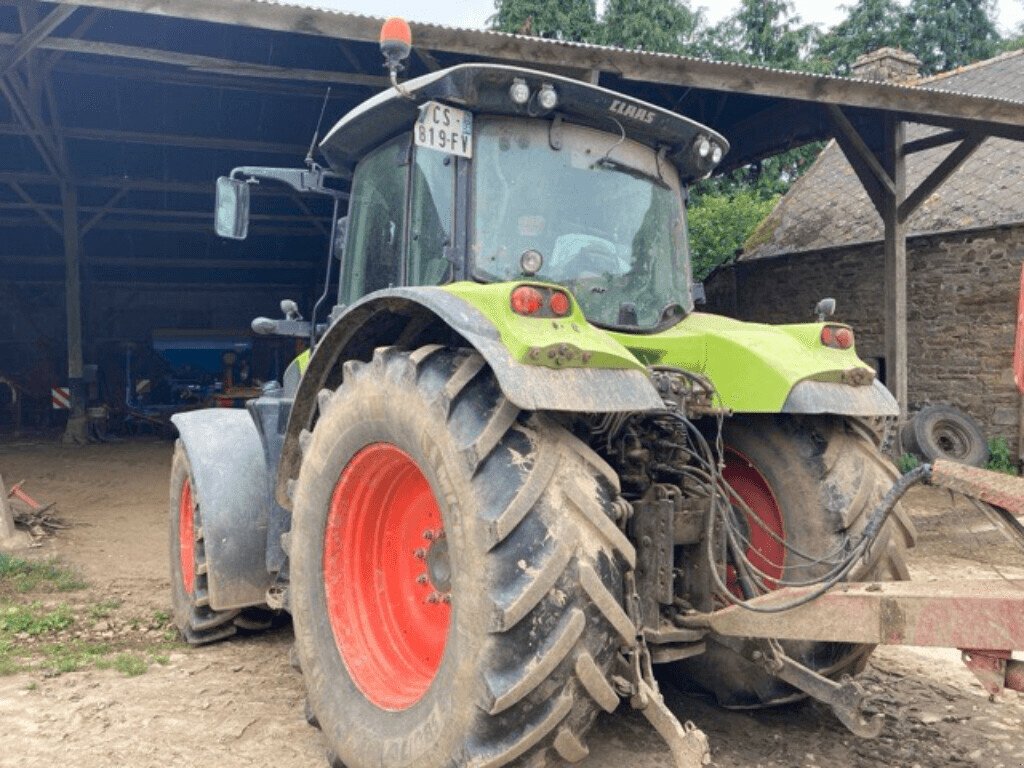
837,337
560,304
526,300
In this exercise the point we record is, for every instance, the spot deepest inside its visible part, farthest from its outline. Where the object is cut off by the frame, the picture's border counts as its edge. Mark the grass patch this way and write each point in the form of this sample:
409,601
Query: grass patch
33,619
46,575
59,658
128,664
103,609
9,664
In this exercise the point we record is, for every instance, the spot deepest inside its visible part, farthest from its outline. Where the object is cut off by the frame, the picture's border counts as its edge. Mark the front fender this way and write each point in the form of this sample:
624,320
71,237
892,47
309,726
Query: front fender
398,315
232,490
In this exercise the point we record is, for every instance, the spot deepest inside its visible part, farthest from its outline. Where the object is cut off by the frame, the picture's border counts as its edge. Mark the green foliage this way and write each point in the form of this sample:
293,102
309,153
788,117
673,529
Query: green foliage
27,575
721,223
1000,459
669,26
907,462
33,619
945,34
868,26
558,19
765,32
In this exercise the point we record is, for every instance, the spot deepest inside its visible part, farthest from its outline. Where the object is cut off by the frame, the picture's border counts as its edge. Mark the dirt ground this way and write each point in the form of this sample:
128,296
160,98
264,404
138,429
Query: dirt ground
239,703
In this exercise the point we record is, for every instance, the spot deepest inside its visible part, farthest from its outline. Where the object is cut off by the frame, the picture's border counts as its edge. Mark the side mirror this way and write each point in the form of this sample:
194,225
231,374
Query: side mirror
231,211
826,308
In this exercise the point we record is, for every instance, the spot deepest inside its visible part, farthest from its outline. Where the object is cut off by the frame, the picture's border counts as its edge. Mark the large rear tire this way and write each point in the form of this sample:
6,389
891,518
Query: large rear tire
814,481
457,578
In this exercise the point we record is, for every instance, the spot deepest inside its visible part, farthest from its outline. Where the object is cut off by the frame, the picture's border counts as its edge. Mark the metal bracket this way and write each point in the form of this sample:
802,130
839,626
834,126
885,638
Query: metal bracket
846,698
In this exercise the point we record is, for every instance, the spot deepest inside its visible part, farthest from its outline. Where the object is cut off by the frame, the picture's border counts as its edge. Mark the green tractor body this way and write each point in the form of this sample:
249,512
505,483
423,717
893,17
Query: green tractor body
516,458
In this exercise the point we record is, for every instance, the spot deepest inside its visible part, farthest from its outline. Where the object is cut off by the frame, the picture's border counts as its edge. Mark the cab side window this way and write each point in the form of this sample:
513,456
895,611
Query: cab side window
376,236
431,217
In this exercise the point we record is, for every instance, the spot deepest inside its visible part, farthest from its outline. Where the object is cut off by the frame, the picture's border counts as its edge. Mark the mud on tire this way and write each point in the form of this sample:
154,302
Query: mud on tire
827,475
536,569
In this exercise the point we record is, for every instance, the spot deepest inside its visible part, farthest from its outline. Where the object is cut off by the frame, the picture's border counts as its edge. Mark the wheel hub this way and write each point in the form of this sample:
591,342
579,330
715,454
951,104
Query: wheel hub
766,533
187,536
387,576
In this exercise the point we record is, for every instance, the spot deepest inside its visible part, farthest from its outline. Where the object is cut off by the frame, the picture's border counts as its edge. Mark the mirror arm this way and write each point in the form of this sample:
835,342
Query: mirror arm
300,179
266,326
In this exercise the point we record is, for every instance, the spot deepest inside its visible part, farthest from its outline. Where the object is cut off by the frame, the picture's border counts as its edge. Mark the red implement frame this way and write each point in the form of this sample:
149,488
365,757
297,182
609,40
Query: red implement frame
985,619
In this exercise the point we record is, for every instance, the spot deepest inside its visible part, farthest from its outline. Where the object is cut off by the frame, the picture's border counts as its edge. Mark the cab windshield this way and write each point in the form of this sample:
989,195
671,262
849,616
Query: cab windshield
604,213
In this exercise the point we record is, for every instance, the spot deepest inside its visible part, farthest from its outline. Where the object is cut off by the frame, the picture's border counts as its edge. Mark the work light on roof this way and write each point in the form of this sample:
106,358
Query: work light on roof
519,91
547,97
702,147
716,153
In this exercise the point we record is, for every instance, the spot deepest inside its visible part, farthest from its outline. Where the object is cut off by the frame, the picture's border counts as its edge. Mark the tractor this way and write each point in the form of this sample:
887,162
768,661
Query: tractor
517,470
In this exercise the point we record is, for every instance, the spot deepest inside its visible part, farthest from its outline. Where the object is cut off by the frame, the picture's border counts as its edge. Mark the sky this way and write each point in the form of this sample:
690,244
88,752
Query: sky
474,13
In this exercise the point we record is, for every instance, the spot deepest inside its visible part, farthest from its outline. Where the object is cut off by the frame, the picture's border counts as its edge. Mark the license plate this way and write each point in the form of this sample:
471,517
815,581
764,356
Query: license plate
445,129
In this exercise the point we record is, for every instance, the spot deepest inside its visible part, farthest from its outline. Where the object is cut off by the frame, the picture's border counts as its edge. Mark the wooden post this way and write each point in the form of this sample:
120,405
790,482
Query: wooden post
76,432
895,272
10,536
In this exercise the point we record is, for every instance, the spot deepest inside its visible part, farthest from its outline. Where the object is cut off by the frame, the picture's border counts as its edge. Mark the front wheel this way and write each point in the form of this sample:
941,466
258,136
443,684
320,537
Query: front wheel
456,575
812,482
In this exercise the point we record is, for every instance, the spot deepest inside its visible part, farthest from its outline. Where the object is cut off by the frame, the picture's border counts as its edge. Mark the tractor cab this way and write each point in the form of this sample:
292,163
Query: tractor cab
488,173
492,173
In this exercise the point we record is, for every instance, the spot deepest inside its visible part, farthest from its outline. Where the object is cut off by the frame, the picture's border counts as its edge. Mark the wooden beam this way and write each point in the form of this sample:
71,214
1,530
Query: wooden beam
895,269
166,139
938,176
935,140
149,262
852,137
143,185
29,40
39,208
103,211
197,63
76,431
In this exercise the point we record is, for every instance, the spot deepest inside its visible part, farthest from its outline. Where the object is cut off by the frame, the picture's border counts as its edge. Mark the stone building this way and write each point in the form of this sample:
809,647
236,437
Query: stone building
965,249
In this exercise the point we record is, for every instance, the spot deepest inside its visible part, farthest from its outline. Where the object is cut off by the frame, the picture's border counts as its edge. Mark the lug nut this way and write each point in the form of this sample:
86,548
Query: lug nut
421,579
433,597
420,554
446,599
428,535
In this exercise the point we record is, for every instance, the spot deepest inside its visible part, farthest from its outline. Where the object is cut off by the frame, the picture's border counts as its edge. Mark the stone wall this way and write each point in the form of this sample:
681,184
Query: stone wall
962,308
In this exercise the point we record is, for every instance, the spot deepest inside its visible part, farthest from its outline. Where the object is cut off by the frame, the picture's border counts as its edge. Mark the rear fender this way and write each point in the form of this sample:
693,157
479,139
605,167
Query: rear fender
411,317
232,487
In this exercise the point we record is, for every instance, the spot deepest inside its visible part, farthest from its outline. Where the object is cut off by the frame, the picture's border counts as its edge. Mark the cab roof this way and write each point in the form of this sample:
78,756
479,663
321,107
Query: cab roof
484,90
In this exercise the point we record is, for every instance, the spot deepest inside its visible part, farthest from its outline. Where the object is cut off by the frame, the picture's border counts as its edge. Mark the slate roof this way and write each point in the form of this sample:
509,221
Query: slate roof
828,207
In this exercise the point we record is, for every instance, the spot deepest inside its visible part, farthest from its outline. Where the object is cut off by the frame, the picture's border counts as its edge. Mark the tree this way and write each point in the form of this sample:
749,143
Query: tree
868,26
765,32
721,223
945,34
559,19
668,26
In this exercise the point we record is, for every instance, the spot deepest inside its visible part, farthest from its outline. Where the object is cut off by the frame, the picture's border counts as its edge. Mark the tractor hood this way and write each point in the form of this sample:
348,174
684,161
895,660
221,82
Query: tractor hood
484,89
